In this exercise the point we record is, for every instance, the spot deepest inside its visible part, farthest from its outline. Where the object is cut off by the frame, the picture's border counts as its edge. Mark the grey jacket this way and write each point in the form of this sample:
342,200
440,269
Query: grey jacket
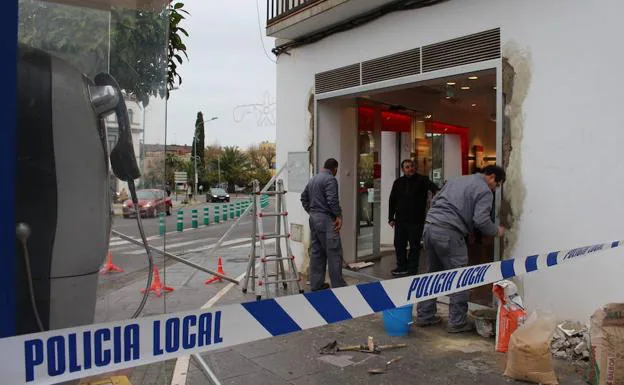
464,203
321,195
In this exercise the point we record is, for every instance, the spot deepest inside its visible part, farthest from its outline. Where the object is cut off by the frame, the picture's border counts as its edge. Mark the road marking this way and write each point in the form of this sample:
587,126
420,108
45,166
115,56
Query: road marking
180,371
169,246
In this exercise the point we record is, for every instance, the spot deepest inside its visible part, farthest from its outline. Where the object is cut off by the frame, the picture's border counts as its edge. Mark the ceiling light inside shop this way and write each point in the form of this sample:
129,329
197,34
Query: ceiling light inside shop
465,88
473,77
450,83
474,104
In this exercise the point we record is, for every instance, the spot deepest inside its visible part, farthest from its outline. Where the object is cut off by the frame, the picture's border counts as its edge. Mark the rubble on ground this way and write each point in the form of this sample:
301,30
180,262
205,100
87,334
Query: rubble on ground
571,342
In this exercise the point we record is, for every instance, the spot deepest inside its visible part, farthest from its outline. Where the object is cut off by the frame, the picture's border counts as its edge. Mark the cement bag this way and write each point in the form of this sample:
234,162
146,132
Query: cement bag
529,357
510,313
607,345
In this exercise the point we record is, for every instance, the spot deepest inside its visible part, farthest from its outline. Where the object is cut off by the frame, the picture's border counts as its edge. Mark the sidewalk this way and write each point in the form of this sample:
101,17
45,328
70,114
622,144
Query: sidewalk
432,356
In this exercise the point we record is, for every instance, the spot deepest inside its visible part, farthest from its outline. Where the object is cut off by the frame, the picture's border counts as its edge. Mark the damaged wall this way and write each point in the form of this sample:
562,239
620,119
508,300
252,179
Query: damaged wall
516,83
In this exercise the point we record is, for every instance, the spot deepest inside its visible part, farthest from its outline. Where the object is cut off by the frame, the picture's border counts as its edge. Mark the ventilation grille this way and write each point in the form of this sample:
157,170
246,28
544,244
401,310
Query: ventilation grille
469,49
392,66
464,50
337,79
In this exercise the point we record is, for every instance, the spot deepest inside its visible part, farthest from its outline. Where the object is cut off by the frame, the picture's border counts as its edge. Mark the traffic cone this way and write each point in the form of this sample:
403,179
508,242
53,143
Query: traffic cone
109,266
157,287
219,270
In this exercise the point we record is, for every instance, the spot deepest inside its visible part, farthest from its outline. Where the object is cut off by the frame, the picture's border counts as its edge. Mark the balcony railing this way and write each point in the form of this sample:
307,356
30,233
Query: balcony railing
279,9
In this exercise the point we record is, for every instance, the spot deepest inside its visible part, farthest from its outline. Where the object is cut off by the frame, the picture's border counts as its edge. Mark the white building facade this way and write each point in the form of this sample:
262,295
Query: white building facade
552,118
136,117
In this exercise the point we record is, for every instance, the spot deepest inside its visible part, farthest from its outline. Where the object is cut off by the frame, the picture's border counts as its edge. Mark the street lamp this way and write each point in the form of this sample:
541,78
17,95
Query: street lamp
195,152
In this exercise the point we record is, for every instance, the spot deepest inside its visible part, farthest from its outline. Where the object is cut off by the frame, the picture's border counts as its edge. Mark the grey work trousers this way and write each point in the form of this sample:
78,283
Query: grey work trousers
446,249
326,251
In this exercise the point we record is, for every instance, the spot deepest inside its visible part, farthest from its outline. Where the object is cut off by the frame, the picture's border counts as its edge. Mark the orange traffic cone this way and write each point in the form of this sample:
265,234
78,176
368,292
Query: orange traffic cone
157,287
109,266
219,270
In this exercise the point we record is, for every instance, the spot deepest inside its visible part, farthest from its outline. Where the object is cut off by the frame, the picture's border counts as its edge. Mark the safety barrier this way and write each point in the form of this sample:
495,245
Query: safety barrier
206,216
67,354
222,212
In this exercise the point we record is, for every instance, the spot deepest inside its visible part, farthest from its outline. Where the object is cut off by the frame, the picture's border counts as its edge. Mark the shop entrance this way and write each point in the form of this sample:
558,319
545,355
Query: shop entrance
446,125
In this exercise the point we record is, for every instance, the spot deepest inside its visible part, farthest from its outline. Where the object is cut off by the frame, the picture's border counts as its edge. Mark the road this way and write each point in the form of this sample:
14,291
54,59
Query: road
118,293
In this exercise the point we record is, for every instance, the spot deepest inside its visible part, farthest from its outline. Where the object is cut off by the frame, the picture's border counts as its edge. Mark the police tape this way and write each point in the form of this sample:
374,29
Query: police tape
73,353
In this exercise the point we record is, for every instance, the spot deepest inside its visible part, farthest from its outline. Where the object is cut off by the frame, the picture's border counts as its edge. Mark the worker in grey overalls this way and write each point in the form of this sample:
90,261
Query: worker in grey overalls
320,200
463,204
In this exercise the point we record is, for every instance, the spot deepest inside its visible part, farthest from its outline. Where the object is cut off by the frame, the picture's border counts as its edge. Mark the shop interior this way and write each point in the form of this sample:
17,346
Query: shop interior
448,127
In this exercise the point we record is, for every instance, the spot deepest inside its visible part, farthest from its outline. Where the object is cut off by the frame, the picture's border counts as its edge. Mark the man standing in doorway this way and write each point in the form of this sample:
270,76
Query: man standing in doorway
463,204
320,201
406,214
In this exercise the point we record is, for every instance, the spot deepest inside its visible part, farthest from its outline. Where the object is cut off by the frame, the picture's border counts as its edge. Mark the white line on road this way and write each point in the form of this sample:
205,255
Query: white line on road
180,371
169,246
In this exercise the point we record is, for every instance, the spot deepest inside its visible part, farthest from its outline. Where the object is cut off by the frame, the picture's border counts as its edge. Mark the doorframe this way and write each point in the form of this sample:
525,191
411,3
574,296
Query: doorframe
414,81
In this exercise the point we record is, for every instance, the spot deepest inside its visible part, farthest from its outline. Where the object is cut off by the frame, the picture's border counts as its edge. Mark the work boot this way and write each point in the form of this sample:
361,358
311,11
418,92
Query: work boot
399,271
429,322
466,327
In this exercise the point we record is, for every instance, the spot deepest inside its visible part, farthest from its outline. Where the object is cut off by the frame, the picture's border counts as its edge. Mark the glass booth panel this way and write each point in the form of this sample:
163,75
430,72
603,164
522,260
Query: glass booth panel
91,133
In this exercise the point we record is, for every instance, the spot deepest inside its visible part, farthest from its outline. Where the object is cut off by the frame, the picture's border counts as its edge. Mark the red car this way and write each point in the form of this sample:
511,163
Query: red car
151,203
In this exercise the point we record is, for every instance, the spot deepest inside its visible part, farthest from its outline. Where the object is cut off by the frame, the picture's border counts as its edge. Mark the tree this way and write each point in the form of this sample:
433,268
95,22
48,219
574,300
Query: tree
174,163
145,46
235,167
262,159
199,144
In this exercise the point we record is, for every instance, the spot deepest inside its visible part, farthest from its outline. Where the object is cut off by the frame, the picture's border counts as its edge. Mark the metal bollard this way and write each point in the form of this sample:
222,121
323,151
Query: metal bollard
206,216
217,215
231,210
225,212
180,223
194,222
162,229
238,209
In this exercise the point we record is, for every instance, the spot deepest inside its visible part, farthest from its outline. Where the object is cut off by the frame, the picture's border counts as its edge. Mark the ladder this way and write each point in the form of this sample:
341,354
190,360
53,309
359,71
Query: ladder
273,272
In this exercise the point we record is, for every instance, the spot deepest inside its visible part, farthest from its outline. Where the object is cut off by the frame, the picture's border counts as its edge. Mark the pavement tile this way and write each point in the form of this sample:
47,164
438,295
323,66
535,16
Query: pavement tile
229,363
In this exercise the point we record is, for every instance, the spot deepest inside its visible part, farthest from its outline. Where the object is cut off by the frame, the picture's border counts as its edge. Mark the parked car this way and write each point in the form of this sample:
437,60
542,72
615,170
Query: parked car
216,194
151,203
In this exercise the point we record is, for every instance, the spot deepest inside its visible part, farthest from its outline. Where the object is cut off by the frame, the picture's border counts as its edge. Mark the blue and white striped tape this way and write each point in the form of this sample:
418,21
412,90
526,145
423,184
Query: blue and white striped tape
67,354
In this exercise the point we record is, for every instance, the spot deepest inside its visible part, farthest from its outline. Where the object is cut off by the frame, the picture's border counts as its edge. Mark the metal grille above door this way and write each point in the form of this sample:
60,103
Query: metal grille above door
474,48
393,66
481,46
337,79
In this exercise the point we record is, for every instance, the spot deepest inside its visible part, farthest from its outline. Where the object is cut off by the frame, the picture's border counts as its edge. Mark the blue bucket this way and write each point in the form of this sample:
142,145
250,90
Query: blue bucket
397,321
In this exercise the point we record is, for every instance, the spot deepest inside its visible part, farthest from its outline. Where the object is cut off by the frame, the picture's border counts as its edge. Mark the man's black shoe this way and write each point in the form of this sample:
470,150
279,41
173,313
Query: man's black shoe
399,271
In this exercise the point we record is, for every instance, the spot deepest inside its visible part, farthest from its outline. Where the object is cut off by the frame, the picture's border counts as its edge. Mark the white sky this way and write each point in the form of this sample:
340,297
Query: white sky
227,68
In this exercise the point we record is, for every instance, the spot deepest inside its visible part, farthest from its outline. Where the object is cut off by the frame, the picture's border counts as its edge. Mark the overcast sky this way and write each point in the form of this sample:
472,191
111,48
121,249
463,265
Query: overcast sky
227,68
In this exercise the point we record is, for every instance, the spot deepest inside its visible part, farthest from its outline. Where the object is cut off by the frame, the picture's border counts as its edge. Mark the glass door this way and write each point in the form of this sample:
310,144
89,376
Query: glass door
365,195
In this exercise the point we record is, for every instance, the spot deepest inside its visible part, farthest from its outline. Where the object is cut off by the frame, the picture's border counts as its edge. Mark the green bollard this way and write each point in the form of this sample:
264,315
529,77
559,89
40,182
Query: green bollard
238,209
217,215
231,210
225,212
206,216
194,222
161,224
180,223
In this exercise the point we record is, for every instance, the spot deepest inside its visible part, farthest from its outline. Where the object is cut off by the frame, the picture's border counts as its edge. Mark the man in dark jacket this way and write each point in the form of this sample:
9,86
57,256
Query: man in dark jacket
408,205
320,200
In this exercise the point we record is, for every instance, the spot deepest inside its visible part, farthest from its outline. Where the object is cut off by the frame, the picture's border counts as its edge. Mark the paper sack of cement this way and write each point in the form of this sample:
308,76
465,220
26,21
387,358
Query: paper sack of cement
607,343
529,358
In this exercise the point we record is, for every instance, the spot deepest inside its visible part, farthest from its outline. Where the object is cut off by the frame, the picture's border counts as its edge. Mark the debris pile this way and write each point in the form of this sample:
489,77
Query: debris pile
571,342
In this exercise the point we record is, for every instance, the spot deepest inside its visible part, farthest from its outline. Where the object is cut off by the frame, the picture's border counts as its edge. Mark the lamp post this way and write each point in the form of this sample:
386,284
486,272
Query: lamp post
195,153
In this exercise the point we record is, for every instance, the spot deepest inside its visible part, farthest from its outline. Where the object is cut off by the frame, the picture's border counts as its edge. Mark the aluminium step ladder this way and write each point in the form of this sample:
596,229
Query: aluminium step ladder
274,273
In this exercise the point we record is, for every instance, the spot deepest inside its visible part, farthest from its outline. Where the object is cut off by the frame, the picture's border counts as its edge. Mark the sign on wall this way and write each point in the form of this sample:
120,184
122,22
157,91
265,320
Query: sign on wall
298,170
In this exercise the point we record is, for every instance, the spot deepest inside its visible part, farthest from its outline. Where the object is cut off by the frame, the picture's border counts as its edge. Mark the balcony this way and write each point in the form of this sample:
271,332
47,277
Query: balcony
291,19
